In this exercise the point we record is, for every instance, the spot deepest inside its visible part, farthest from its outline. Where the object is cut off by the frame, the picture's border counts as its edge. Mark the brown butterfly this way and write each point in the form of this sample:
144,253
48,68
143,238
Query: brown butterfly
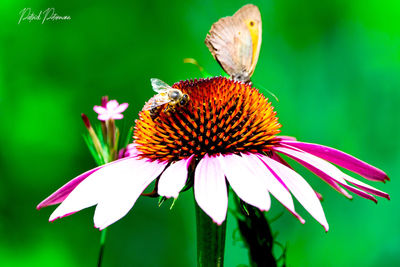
235,42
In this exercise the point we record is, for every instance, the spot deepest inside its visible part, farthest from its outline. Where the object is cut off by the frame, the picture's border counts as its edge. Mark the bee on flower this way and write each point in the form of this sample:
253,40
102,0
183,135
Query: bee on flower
167,96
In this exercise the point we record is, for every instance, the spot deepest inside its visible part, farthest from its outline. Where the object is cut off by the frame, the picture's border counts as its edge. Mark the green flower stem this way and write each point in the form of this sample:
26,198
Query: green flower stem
102,243
210,240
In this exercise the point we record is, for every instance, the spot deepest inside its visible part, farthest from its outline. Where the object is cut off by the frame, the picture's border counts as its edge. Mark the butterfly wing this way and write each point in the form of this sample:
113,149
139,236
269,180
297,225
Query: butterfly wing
250,15
229,43
235,42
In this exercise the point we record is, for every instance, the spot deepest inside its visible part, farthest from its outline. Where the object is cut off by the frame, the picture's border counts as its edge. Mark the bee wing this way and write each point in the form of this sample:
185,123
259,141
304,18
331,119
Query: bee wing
159,86
157,100
235,41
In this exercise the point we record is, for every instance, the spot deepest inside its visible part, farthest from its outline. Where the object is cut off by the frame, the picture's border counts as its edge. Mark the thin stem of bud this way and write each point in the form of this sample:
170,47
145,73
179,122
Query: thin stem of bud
110,124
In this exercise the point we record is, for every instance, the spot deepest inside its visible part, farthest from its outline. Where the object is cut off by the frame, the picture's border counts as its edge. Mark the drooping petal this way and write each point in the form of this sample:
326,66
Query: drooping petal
90,190
342,159
246,183
328,179
365,187
99,109
210,189
360,193
61,194
123,193
308,159
326,171
96,186
299,188
275,186
279,159
333,183
174,178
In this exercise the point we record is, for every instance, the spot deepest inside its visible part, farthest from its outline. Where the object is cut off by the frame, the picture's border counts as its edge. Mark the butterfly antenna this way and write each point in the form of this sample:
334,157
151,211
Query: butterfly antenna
268,91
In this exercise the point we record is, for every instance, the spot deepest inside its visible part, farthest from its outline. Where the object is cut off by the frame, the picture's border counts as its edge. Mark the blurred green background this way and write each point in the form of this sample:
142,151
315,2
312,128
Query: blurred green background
334,65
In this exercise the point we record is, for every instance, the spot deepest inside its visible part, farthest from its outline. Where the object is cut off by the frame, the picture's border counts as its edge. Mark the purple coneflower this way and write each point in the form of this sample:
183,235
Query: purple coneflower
227,136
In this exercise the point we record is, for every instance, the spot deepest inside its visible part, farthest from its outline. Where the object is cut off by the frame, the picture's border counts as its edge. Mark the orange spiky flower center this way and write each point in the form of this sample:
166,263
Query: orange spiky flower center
222,116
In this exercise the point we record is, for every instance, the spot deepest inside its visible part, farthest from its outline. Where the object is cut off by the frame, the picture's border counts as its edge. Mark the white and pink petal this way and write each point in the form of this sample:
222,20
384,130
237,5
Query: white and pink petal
308,159
245,182
365,187
299,188
109,181
323,169
340,158
174,178
331,174
275,186
330,181
126,188
62,193
210,189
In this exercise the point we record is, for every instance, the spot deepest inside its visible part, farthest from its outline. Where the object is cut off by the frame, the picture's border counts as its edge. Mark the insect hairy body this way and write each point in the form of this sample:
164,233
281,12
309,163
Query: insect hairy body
171,97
